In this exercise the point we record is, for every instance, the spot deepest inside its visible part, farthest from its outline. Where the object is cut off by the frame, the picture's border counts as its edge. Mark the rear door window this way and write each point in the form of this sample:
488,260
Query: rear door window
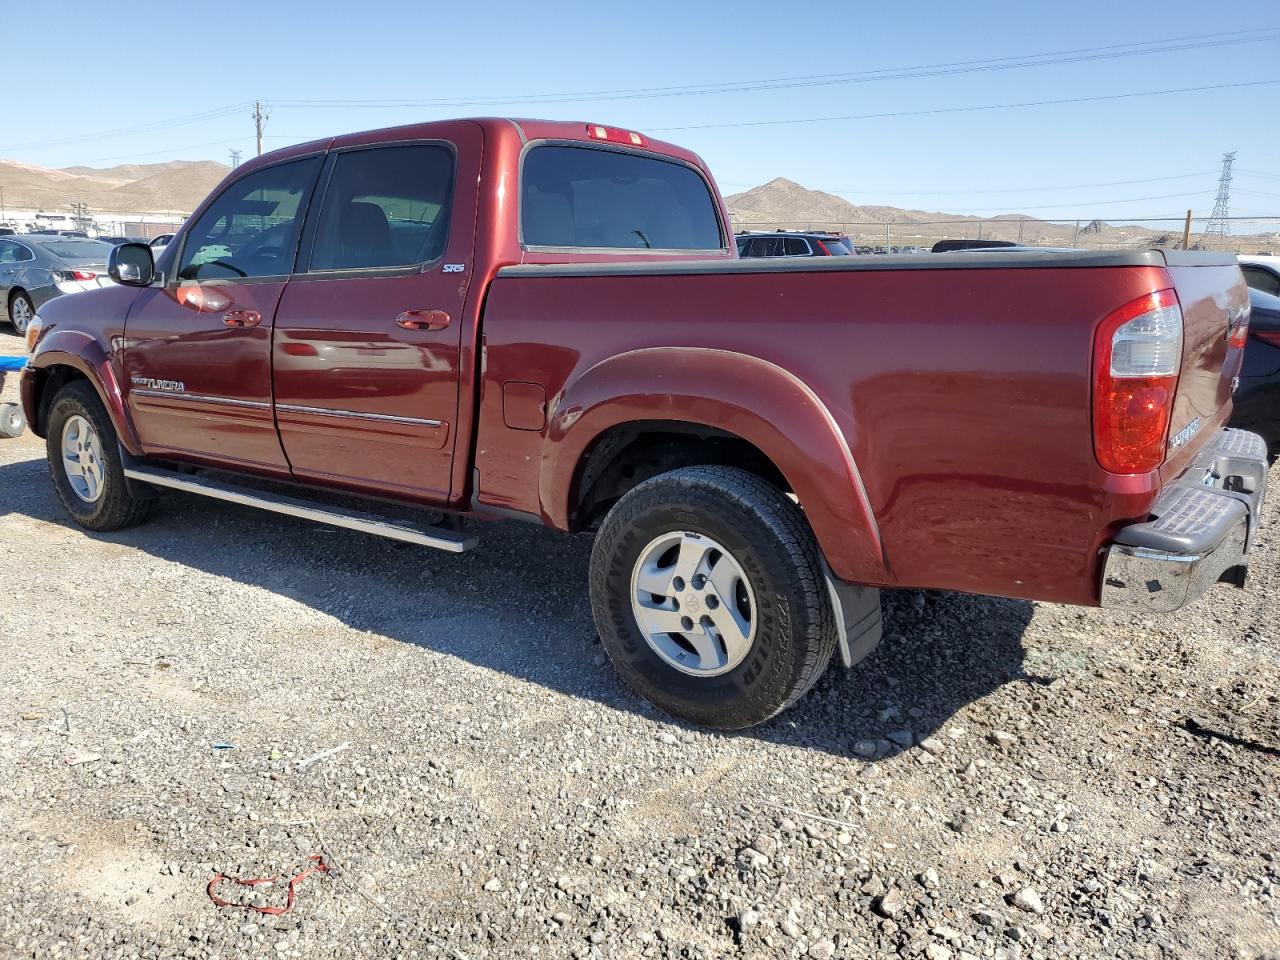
385,207
795,247
251,229
614,200
1262,279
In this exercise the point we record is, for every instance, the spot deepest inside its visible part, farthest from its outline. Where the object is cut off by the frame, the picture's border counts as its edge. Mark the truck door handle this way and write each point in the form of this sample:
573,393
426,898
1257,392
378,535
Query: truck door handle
242,318
423,320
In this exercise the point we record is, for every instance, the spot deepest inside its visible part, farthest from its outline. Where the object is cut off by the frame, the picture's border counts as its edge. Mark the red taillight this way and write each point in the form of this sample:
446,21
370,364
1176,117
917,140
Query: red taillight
1240,332
1137,354
613,135
83,275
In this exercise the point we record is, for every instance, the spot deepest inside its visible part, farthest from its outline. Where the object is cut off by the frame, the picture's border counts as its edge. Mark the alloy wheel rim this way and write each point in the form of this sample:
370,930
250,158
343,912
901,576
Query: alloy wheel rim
21,314
694,604
82,459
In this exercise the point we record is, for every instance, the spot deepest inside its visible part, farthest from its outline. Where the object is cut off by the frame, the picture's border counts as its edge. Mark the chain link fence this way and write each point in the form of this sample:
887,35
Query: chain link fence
1247,235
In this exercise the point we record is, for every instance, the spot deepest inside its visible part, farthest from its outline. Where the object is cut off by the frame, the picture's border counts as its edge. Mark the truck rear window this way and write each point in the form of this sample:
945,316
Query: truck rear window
586,197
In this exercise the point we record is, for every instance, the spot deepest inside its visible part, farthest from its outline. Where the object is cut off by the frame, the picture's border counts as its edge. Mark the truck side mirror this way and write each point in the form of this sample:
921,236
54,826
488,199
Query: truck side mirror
131,264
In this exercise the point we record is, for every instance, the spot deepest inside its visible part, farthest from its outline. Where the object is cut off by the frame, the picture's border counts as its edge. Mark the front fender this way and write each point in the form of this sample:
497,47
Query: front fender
752,398
84,353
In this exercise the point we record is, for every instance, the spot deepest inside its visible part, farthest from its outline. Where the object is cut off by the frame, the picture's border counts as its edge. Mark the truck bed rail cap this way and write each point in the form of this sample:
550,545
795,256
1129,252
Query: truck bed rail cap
995,260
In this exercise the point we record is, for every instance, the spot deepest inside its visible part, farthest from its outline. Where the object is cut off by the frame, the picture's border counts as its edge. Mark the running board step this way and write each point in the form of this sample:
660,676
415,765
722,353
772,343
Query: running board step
438,537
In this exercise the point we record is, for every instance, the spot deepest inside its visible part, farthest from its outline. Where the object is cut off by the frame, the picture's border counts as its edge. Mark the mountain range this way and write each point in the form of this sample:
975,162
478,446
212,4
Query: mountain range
179,185
174,187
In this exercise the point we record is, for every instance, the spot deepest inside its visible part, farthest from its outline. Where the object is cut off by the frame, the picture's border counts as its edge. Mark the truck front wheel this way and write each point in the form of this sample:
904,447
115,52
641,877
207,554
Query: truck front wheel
707,592
84,461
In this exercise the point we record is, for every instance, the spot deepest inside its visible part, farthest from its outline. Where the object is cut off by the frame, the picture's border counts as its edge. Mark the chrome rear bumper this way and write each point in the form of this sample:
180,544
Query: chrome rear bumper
1200,533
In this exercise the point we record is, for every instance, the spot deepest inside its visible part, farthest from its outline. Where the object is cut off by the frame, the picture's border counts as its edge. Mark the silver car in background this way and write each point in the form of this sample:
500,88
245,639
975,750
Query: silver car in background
35,268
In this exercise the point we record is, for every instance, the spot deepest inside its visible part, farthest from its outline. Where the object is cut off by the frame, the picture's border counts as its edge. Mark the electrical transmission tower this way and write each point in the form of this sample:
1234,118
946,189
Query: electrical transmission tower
235,158
1219,224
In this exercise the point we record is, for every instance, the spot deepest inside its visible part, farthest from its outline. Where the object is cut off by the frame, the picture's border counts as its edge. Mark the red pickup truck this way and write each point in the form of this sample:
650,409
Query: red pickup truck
524,319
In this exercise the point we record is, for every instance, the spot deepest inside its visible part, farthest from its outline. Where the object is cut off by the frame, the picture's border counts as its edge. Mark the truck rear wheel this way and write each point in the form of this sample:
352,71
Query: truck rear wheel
84,461
707,592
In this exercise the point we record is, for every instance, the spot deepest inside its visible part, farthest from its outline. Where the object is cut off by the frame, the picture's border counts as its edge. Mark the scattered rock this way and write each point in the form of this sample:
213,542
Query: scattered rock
1026,899
902,738
890,904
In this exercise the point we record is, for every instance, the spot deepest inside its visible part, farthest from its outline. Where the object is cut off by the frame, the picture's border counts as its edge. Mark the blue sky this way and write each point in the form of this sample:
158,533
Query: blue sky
1056,161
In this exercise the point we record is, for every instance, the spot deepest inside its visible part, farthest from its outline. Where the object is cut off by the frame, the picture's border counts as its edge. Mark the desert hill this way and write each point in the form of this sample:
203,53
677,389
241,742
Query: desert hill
174,187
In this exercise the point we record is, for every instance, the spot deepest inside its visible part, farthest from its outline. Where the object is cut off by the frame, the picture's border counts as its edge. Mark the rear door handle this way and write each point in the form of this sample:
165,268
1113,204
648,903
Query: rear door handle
242,318
423,320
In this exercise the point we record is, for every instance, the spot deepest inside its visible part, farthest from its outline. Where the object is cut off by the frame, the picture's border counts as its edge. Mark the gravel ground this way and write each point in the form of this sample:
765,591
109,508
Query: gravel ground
1001,779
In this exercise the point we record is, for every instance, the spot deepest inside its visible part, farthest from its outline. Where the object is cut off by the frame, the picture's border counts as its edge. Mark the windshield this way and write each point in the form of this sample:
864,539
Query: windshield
79,249
585,197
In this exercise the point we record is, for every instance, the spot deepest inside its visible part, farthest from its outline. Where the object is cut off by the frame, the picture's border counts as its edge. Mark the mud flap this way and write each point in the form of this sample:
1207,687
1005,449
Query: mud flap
857,614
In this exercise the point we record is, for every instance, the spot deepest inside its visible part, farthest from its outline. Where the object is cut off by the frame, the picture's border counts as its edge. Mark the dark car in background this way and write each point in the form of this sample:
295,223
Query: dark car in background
1257,399
794,244
951,246
115,241
36,267
1262,273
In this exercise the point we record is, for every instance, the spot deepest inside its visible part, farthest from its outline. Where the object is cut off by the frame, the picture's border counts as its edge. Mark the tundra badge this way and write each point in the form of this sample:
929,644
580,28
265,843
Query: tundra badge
171,386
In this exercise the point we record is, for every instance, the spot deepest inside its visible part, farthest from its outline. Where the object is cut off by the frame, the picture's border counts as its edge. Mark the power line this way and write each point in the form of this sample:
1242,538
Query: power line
167,150
1079,55
991,106
214,114
1091,203
960,218
881,191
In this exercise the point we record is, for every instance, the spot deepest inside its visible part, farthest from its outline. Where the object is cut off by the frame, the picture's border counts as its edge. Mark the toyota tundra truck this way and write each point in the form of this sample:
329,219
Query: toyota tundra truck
408,331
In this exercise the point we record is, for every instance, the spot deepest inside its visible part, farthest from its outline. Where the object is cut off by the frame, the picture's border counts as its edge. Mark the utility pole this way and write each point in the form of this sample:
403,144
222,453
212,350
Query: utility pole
259,118
235,158
1,203
1219,224
1020,223
1186,233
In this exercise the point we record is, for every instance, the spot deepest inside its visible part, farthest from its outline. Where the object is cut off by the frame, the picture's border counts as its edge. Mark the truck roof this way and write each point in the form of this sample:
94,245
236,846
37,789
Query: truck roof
526,129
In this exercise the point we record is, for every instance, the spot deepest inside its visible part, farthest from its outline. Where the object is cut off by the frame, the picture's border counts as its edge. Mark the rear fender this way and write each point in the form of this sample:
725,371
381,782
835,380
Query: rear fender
743,395
85,354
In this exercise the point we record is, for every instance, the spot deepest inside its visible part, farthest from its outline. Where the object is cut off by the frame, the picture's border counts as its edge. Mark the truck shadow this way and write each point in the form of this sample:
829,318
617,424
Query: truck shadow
518,605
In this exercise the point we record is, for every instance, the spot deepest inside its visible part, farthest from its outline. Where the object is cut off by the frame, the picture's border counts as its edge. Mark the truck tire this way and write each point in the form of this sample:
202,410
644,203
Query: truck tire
708,594
84,461
12,420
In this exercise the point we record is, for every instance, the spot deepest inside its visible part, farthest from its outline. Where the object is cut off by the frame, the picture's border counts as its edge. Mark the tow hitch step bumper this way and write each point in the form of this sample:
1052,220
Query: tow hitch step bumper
439,538
1200,533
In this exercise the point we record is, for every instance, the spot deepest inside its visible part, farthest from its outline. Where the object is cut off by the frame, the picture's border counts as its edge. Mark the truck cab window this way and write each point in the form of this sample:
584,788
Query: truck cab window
586,197
251,229
385,207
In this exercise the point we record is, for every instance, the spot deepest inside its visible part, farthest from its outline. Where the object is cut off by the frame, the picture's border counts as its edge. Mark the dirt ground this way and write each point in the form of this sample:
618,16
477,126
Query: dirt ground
1001,779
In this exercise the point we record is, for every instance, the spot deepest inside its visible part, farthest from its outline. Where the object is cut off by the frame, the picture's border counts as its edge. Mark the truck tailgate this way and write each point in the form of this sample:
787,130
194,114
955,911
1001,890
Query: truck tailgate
1214,299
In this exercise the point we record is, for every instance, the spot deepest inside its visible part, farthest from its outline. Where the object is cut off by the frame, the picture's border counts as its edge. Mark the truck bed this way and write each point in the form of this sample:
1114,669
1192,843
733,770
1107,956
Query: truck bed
961,384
